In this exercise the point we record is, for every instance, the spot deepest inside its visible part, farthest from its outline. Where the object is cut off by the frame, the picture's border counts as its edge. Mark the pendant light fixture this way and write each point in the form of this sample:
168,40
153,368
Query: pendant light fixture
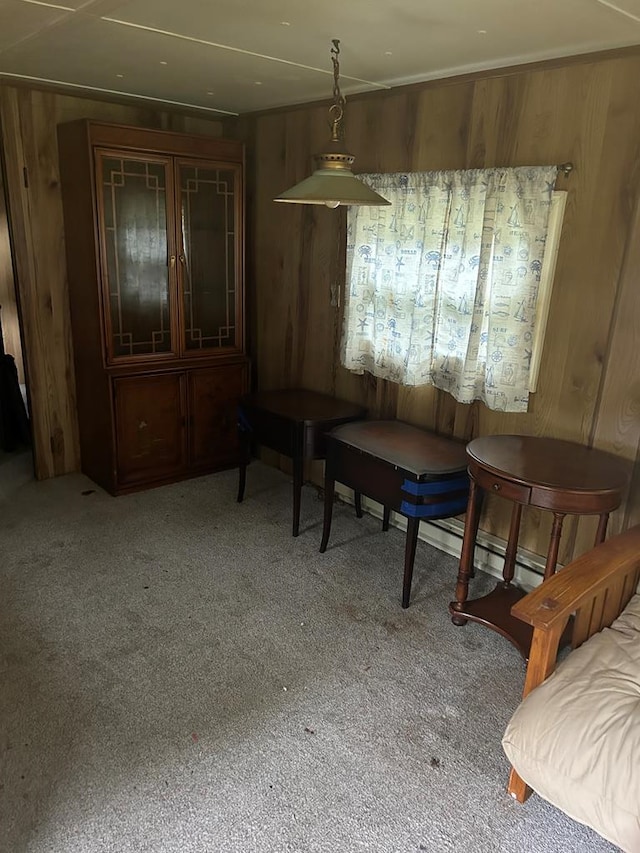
333,183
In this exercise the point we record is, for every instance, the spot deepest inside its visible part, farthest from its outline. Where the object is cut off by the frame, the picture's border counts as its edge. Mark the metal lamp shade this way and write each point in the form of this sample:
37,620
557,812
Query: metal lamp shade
332,188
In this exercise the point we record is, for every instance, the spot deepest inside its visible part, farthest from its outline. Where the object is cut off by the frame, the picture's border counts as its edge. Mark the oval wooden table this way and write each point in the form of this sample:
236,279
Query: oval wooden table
550,474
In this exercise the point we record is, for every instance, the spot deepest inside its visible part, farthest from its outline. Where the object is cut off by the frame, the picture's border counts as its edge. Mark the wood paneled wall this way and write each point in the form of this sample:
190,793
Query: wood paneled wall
29,121
586,111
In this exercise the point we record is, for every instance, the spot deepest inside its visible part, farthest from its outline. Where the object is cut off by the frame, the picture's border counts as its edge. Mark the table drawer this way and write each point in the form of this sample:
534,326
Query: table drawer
373,477
274,431
499,486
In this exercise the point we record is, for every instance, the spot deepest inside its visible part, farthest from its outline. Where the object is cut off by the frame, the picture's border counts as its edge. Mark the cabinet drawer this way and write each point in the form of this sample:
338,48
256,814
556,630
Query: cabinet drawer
499,486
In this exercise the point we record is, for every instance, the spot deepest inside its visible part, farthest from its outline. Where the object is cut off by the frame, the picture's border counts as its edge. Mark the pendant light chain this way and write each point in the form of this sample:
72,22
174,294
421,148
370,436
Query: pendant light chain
336,110
332,182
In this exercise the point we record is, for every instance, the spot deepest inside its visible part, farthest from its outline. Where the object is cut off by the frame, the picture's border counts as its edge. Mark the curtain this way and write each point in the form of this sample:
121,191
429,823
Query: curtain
442,285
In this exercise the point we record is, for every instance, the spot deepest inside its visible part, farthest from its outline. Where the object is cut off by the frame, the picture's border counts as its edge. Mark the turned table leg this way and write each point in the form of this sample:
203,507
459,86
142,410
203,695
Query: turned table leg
509,568
554,544
602,528
472,520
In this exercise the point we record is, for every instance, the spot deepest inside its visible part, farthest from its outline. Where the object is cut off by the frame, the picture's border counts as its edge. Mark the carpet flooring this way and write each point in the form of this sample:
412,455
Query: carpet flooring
179,674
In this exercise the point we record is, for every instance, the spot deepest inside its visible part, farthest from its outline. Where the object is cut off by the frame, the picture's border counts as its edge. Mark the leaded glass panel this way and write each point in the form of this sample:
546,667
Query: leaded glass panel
134,209
209,264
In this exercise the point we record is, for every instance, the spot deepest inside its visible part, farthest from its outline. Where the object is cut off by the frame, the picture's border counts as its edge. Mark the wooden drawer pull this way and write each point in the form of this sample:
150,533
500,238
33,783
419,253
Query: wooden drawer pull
496,487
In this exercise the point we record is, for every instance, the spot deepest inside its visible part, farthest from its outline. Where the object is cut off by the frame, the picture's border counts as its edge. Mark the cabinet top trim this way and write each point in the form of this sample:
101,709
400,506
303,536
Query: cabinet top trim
157,141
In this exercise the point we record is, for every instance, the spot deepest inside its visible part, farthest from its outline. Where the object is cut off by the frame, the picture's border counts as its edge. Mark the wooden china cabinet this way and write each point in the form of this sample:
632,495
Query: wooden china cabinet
154,241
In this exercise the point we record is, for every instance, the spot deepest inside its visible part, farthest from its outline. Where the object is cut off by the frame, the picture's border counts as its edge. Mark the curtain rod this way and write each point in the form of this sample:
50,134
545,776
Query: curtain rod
567,168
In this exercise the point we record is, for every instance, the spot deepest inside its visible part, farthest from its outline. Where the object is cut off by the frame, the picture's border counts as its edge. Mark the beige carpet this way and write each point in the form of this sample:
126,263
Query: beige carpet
180,675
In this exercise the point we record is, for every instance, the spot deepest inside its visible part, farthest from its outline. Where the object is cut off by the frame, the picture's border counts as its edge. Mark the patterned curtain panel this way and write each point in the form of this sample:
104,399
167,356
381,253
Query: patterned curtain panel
442,285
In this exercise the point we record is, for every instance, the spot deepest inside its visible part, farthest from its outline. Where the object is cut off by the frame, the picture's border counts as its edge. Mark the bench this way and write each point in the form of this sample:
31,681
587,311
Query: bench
575,738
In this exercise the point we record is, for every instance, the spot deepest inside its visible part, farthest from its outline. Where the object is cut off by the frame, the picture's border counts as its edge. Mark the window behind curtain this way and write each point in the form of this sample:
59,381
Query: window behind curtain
442,286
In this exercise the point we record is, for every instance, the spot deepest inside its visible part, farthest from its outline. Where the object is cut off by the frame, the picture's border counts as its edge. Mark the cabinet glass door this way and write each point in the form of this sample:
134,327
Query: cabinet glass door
136,227
209,258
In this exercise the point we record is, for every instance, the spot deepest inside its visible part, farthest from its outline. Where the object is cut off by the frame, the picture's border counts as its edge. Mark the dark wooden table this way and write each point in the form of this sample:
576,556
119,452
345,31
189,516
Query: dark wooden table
293,422
416,473
559,476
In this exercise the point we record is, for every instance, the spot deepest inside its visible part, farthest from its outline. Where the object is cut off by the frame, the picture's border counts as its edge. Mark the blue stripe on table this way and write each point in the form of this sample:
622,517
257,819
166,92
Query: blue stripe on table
434,510
435,487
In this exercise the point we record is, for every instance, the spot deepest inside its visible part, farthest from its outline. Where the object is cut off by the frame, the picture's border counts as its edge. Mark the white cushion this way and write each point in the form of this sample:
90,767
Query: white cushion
576,738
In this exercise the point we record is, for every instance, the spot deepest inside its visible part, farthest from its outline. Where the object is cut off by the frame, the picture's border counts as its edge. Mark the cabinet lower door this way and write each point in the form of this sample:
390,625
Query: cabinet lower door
213,405
150,427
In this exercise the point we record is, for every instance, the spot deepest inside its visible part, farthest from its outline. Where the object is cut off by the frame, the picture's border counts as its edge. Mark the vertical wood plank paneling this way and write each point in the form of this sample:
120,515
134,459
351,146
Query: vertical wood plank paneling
8,301
238,128
39,256
617,423
587,112
614,262
275,227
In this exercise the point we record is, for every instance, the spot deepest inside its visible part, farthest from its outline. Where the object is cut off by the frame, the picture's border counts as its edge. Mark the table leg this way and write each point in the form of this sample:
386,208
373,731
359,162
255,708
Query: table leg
409,558
554,544
509,568
298,468
329,489
357,500
602,528
245,452
386,515
472,520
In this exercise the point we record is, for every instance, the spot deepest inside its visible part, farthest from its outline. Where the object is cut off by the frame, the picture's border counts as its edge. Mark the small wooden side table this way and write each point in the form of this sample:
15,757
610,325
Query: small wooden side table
293,422
551,474
416,473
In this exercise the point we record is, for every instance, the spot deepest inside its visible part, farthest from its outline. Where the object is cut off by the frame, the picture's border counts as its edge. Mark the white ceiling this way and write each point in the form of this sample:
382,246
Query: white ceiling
236,56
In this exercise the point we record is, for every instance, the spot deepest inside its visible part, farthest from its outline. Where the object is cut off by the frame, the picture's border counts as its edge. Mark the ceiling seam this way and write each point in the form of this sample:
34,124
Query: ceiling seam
620,11
117,92
240,50
49,5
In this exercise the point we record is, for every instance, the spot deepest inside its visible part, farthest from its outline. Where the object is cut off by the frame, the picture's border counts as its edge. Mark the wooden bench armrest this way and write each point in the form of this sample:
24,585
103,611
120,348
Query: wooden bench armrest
596,587
608,568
